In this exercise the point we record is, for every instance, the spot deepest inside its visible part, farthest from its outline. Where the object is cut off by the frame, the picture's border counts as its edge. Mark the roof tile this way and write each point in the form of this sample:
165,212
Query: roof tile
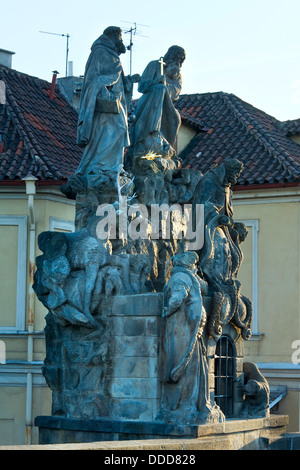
46,127
39,134
231,128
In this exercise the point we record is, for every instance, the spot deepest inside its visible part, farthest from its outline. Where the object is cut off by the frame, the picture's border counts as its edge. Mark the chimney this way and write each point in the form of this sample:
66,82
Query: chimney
51,94
70,68
6,58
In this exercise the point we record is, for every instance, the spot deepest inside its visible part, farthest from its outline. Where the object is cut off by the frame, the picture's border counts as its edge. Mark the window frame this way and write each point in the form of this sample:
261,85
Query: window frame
61,224
254,224
228,378
20,314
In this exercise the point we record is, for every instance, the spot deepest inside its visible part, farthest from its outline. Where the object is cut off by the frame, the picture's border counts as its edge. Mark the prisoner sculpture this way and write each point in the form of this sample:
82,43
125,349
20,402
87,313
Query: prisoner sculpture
80,274
257,391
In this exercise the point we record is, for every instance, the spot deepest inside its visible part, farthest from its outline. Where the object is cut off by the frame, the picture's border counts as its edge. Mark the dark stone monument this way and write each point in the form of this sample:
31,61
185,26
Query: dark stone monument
146,317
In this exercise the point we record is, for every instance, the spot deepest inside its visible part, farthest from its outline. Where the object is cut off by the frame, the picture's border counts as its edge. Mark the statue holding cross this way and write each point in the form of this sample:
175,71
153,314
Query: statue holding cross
162,63
157,122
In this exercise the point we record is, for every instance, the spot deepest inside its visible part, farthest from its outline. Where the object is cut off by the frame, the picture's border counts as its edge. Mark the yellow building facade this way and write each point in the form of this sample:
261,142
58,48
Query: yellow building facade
25,211
270,272
38,152
270,277
215,127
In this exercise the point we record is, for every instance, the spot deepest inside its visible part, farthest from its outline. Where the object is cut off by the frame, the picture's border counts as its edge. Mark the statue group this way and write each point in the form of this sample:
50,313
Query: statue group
133,164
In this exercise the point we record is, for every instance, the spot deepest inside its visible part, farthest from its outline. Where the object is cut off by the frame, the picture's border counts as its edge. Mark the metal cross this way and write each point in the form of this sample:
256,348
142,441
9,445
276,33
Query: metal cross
162,63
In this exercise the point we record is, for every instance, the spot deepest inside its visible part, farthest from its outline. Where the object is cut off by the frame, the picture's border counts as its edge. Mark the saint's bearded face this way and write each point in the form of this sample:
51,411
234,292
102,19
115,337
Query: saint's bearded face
173,65
119,45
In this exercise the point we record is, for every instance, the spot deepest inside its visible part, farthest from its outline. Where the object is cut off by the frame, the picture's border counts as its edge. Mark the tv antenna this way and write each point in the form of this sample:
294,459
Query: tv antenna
133,31
67,50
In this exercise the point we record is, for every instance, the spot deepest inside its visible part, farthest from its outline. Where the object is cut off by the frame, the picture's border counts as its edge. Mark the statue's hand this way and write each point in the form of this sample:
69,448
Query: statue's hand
161,79
135,78
173,72
82,143
225,220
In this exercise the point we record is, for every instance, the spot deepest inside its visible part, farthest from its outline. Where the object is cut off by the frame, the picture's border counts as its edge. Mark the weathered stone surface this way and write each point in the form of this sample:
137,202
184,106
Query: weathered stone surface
134,388
231,435
156,121
136,319
133,346
102,123
135,367
137,305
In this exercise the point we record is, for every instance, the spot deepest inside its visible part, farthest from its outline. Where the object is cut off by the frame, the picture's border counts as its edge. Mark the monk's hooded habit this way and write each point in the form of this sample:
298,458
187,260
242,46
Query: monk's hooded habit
102,123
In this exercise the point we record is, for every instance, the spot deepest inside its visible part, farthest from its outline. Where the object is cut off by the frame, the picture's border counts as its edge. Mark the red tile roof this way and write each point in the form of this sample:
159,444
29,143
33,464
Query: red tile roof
38,135
231,128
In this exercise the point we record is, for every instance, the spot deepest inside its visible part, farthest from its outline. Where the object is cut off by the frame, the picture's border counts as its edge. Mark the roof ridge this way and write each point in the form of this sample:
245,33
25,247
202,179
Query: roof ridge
205,93
269,144
290,126
7,71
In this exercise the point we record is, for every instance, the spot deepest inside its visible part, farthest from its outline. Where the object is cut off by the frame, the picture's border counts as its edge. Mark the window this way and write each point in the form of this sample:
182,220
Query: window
252,262
224,361
13,248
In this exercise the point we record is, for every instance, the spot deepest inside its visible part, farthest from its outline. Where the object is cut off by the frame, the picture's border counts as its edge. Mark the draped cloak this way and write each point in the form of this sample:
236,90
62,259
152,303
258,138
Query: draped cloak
183,365
103,134
155,110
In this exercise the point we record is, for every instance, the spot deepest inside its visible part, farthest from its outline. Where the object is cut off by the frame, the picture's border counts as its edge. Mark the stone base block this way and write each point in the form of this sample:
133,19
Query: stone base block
248,433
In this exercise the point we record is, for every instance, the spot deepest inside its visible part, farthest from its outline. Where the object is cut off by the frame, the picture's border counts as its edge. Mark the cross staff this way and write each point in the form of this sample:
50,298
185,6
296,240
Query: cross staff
162,63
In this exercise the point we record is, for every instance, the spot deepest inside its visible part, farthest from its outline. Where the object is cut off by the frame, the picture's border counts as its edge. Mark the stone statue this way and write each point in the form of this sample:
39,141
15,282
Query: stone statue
102,123
85,280
67,273
213,189
221,256
256,390
157,122
183,366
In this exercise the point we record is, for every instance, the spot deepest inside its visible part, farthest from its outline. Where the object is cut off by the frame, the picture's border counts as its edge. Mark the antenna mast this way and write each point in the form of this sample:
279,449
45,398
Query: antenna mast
133,32
67,50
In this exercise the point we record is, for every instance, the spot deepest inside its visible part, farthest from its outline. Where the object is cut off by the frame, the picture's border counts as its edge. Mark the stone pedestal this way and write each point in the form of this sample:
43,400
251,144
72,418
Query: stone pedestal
134,387
122,384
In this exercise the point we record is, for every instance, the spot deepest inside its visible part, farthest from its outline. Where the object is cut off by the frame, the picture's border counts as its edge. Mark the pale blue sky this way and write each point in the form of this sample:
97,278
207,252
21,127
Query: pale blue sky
246,47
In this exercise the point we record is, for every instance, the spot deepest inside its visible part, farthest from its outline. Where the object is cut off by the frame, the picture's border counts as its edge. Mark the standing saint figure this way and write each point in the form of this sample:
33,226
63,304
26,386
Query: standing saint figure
183,364
102,124
157,121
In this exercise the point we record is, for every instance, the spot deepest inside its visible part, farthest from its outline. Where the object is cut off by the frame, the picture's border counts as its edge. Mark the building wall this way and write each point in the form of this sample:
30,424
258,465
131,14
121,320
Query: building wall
23,391
296,138
270,277
184,137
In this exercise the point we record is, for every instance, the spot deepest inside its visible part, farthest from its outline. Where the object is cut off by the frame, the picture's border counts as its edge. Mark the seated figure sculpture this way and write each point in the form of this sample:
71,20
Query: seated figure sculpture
157,121
256,390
